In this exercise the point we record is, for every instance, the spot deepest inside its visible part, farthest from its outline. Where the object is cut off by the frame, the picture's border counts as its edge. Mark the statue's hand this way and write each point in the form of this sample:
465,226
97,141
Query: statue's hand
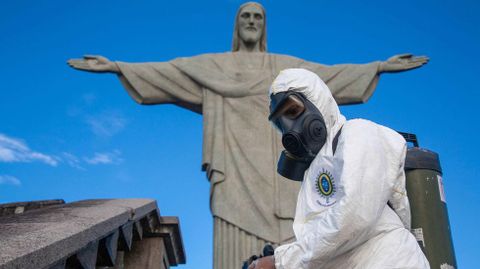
94,63
403,62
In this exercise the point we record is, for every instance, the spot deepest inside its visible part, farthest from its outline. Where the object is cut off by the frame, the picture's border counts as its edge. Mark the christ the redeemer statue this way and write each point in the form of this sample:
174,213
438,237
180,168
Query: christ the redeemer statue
251,204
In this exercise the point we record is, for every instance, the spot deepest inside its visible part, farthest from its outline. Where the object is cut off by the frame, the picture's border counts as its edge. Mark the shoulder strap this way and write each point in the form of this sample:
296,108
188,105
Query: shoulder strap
335,141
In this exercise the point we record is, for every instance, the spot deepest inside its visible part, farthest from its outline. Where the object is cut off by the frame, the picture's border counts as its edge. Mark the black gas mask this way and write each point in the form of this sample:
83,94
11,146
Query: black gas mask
303,132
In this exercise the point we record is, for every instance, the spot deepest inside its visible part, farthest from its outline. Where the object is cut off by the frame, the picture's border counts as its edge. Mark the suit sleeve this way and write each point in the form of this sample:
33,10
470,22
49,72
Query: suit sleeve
399,199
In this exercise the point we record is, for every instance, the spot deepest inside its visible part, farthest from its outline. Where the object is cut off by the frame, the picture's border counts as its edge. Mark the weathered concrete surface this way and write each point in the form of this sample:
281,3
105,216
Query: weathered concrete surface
169,230
45,237
151,253
21,207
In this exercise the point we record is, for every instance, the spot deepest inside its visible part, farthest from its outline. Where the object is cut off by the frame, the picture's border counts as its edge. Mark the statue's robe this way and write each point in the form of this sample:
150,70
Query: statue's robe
250,202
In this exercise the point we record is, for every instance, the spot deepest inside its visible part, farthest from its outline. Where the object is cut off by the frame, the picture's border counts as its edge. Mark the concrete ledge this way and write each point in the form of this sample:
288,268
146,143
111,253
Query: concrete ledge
21,207
82,234
169,230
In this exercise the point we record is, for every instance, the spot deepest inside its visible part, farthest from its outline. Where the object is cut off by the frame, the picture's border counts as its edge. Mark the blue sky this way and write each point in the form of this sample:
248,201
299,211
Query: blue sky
74,135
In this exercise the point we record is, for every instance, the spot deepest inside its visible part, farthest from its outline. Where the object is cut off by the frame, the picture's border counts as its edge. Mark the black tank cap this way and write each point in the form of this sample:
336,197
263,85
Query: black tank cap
419,158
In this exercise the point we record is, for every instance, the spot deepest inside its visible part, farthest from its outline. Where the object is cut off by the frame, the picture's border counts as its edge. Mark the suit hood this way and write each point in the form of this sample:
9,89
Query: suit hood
316,91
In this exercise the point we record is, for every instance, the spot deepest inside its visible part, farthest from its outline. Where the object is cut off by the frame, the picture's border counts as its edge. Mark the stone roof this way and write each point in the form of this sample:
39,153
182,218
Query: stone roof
86,234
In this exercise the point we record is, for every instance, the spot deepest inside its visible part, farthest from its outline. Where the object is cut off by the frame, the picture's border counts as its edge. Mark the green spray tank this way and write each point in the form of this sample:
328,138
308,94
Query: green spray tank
430,223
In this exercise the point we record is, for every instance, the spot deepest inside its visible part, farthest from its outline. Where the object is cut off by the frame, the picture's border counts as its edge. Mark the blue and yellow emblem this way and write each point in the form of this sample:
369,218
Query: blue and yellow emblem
325,186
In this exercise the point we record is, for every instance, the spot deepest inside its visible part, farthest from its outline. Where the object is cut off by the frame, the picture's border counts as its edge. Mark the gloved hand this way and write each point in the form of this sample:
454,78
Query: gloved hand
248,262
267,262
268,252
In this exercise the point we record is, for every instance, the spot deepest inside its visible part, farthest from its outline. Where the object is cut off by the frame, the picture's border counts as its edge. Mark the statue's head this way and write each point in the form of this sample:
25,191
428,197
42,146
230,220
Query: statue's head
250,27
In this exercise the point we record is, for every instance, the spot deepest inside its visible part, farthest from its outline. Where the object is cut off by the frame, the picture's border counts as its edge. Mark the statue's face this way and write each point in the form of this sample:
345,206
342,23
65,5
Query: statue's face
250,24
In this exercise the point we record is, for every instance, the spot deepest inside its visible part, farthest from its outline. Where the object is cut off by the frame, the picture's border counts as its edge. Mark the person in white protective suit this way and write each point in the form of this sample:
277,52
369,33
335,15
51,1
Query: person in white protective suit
352,209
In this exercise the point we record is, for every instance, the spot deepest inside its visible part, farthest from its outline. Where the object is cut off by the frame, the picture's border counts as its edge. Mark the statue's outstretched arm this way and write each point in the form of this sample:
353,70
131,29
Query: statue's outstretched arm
94,63
402,62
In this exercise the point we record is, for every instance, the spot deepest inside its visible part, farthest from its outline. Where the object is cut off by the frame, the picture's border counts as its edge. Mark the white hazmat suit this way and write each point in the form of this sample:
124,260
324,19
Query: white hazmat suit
342,219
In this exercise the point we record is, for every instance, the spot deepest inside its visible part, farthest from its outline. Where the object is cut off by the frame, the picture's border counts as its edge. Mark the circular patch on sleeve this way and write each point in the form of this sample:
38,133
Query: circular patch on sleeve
325,187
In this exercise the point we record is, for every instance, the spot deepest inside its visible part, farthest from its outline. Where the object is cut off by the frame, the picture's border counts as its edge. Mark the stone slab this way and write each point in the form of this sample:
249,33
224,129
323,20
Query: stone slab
40,238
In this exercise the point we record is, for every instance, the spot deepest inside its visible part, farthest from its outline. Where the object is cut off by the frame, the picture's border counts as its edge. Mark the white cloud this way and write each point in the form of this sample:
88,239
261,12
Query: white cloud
16,150
9,180
105,158
107,123
72,160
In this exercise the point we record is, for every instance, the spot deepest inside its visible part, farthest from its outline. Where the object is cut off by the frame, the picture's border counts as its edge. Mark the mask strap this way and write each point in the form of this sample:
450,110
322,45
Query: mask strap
335,141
